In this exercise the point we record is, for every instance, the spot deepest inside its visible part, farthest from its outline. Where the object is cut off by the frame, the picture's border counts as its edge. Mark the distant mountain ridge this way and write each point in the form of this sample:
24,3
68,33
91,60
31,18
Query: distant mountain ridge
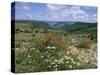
75,27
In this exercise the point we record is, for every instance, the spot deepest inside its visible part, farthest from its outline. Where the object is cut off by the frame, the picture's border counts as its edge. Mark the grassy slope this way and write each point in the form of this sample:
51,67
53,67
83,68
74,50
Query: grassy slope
25,41
81,27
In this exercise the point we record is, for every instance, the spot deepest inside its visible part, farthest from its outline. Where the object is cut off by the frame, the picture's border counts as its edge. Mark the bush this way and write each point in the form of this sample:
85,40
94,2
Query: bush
46,55
82,44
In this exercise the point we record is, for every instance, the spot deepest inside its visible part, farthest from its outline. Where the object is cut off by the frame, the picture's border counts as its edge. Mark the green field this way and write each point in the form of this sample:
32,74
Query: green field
40,46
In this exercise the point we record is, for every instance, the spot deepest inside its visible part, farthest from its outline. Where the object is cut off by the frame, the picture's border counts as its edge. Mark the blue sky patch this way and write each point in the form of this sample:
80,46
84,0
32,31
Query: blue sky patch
54,12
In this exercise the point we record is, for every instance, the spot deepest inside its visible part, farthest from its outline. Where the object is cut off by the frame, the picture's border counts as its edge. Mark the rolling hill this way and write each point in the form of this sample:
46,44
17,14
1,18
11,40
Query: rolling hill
70,27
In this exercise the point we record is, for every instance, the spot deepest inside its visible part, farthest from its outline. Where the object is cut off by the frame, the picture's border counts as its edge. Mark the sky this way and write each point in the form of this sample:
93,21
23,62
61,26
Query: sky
54,12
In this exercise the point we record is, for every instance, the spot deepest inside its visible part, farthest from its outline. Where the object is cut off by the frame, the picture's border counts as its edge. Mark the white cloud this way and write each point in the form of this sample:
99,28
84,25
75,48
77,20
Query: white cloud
23,7
78,13
75,7
94,17
55,7
62,12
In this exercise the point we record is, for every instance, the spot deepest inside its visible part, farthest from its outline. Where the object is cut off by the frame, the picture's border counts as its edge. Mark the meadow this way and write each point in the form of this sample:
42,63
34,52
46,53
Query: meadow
43,47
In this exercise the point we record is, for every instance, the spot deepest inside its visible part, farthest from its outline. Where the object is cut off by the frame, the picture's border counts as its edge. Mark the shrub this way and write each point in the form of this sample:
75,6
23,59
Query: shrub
48,54
82,44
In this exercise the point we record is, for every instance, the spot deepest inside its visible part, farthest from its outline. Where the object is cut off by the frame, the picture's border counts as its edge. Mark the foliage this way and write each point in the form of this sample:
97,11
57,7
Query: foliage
82,44
43,48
